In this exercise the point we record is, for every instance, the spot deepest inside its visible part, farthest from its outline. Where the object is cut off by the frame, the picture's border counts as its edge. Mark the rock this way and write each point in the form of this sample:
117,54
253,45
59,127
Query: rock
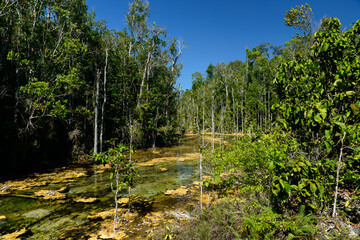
2,217
163,169
38,213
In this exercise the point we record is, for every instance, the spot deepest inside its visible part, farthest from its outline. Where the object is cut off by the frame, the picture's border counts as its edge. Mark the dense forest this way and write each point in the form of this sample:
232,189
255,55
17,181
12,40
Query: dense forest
71,88
297,159
69,84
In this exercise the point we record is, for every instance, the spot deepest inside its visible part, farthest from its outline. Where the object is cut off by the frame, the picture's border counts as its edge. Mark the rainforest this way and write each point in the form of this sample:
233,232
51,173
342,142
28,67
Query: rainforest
98,140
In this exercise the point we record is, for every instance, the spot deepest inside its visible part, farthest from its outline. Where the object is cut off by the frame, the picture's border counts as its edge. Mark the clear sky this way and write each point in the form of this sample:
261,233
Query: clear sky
220,30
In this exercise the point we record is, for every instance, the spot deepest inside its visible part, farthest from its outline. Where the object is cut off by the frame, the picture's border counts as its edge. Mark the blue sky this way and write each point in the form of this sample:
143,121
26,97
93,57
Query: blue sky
219,31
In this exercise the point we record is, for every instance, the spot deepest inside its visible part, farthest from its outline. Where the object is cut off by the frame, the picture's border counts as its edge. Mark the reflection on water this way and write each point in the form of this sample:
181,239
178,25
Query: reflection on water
159,169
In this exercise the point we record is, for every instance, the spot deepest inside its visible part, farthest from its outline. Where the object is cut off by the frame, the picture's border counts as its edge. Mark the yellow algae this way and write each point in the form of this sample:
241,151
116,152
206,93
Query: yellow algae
2,217
207,199
107,232
123,200
101,168
185,157
129,216
155,151
13,235
180,191
50,194
42,179
163,169
85,200
63,189
106,214
196,183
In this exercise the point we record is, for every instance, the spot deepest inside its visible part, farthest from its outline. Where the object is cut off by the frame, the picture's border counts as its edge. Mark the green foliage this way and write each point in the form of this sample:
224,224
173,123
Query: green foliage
54,54
121,167
319,105
245,217
300,17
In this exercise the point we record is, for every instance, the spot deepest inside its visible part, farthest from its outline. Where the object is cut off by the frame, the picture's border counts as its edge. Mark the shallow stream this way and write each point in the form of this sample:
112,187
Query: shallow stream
77,201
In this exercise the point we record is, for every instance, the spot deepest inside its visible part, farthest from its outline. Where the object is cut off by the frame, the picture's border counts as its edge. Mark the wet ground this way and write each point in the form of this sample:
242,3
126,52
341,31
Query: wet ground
77,202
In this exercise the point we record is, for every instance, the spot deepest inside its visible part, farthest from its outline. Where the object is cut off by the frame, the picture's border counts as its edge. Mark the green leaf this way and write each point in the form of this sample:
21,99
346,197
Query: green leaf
337,81
313,187
271,165
328,134
349,93
342,125
323,113
326,46
328,147
317,118
111,175
285,185
312,206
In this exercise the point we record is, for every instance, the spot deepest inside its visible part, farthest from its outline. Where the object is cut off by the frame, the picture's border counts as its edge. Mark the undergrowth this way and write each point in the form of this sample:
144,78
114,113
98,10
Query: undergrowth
280,194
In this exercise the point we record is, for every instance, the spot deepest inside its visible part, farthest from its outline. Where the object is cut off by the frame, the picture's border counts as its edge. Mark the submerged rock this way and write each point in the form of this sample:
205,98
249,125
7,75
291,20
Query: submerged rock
38,213
50,226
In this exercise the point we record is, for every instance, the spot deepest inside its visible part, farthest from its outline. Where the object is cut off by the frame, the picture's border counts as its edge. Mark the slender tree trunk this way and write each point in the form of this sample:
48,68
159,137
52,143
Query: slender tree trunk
234,115
203,117
104,102
116,194
130,162
222,127
143,79
203,122
156,126
212,126
237,121
201,181
96,112
242,111
197,121
337,175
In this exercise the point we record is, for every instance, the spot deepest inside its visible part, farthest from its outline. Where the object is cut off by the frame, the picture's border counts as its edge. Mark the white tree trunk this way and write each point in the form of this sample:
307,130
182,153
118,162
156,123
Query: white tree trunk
212,126
96,111
104,102
337,175
143,78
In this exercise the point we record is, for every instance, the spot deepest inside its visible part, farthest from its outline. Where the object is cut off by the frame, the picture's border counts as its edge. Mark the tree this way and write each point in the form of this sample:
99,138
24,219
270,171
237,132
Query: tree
319,101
